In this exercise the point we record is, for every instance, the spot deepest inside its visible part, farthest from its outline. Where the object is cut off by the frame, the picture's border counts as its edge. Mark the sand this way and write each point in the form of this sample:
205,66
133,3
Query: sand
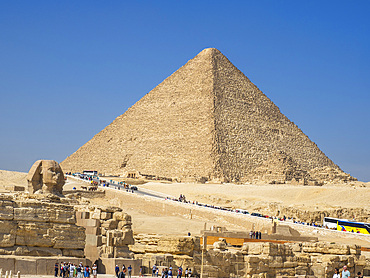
11,178
251,197
151,216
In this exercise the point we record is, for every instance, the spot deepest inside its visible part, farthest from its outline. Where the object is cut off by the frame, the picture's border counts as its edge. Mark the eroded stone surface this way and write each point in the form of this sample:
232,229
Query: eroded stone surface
45,176
33,226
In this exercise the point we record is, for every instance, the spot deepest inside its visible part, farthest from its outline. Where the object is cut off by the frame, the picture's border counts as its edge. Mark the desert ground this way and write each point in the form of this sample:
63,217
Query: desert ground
160,217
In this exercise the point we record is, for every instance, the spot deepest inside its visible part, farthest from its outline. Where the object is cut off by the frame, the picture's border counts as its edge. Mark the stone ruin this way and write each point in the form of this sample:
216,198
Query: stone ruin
40,228
108,235
36,231
252,260
45,176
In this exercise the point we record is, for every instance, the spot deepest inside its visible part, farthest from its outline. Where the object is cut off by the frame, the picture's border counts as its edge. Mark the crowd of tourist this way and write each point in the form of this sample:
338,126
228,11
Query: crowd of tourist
345,273
169,272
69,270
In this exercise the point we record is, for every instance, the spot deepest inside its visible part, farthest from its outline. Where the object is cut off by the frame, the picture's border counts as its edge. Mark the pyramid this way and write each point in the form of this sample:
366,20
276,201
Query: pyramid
206,121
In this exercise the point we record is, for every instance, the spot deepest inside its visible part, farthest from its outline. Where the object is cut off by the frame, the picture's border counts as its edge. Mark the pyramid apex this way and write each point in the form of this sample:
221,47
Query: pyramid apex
209,51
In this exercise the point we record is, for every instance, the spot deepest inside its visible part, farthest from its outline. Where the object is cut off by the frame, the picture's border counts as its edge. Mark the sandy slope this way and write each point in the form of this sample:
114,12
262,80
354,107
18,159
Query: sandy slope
256,196
12,178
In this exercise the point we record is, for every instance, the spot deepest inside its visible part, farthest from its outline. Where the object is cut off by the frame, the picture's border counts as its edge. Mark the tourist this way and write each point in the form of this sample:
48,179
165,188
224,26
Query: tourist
186,272
79,271
359,275
94,271
121,275
189,273
61,269
124,269
141,271
179,272
71,270
56,269
129,270
251,234
336,273
116,270
345,272
157,272
87,272
154,268
65,270
170,273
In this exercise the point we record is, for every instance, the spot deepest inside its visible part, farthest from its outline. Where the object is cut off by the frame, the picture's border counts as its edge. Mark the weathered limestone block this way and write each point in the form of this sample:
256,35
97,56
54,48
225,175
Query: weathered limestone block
43,212
95,214
34,234
45,176
325,248
6,210
245,248
178,245
78,253
122,252
123,238
110,224
255,248
106,215
68,236
220,245
7,233
36,251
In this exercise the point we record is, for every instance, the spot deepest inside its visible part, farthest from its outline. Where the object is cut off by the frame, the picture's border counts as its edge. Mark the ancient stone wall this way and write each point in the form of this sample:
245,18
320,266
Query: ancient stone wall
254,259
108,232
33,227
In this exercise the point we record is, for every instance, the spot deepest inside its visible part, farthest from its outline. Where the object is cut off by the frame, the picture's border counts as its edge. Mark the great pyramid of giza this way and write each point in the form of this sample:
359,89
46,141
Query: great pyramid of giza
206,121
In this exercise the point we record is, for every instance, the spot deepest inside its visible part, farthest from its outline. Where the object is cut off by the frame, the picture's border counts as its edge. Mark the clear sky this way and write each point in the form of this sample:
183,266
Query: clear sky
69,68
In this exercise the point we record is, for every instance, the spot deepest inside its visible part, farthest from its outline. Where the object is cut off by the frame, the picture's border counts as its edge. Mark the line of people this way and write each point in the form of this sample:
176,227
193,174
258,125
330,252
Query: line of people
255,234
69,270
169,272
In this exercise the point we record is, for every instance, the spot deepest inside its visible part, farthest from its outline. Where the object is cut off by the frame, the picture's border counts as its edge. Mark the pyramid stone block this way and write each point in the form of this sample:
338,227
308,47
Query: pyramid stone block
206,120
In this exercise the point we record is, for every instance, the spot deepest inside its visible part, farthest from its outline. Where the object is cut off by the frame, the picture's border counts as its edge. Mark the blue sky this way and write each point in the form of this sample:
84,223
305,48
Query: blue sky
69,68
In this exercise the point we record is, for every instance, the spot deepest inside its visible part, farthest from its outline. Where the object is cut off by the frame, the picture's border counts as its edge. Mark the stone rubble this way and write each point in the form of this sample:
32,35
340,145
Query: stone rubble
252,260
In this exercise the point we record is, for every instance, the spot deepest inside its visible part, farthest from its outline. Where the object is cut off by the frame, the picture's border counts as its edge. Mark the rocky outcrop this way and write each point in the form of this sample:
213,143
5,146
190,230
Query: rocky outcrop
32,226
45,176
